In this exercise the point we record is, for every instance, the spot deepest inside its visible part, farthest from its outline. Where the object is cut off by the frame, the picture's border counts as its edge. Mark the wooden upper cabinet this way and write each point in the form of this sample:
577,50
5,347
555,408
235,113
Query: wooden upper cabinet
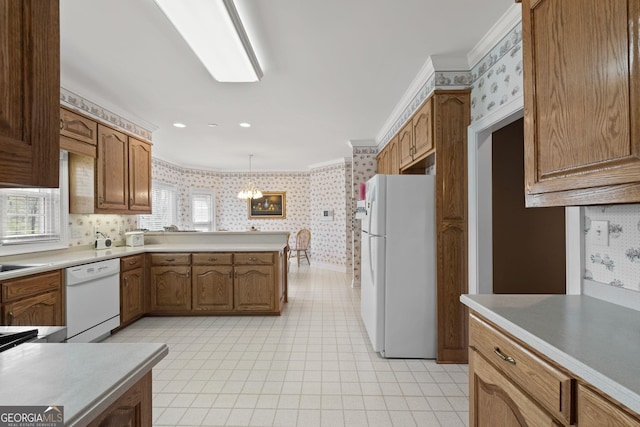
405,144
139,176
582,97
78,134
423,130
393,162
383,162
29,93
113,170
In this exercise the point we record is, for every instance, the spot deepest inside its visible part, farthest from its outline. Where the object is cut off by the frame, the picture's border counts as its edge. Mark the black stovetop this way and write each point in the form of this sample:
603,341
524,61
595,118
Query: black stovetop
11,339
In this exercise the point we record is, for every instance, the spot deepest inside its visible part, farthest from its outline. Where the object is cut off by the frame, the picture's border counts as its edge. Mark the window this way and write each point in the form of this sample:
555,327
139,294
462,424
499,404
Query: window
35,219
202,210
164,199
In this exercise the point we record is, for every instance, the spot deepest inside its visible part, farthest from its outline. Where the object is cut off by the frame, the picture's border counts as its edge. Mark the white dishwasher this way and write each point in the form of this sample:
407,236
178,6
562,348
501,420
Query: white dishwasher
93,300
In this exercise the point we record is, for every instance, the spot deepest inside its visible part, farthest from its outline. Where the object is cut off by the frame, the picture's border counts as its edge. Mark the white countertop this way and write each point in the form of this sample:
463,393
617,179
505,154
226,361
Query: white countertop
44,261
593,339
84,378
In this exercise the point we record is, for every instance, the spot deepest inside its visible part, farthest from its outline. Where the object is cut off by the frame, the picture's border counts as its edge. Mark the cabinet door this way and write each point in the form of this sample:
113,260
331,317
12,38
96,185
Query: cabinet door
495,401
39,310
423,130
383,162
393,162
213,288
30,93
131,295
596,411
253,288
113,170
405,144
132,409
581,74
170,289
139,176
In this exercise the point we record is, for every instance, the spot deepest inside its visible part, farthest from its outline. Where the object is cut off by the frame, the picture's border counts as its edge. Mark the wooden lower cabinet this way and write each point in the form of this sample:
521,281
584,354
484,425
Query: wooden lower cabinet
496,401
34,300
254,288
131,295
512,386
212,288
170,289
132,409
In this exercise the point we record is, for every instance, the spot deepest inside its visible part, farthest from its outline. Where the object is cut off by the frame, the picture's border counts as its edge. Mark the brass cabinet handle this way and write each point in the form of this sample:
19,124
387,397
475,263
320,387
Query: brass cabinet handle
101,199
10,320
213,259
252,258
502,356
126,283
170,259
61,124
130,201
236,274
188,274
230,274
133,262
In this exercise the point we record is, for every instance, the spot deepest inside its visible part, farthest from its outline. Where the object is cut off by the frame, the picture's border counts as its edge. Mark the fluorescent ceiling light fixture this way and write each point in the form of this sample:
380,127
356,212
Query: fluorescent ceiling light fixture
245,125
213,30
180,125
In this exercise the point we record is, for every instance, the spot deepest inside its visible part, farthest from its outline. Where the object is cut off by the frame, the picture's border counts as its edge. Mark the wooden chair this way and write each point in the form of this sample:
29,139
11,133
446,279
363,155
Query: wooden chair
303,238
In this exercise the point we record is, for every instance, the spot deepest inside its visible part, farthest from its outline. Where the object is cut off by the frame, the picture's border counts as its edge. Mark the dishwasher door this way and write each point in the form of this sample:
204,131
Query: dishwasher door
93,300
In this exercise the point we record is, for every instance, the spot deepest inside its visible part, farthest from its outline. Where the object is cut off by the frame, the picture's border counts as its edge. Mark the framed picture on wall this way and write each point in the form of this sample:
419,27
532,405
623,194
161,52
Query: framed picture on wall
270,206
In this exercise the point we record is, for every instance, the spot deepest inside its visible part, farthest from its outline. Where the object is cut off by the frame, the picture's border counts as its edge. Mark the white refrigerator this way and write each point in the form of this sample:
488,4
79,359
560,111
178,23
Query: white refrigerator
398,267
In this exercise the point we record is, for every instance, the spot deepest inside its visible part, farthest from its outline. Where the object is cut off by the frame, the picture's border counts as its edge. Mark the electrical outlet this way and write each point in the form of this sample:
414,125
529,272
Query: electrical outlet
76,232
600,230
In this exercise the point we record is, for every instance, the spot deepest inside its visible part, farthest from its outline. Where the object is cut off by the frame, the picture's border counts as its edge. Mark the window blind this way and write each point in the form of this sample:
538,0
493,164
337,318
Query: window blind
202,211
164,201
29,215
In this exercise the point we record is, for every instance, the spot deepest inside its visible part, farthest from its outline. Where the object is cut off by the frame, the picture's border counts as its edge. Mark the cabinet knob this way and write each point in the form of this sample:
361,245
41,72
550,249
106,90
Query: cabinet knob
10,319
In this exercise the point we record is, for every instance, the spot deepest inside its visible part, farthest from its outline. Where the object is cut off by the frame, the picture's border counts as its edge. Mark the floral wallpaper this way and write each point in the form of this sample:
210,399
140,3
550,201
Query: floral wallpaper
497,77
329,190
81,227
619,263
306,194
363,168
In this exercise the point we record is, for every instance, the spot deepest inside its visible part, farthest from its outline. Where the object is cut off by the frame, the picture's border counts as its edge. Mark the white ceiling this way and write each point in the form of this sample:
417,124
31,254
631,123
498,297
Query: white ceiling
333,72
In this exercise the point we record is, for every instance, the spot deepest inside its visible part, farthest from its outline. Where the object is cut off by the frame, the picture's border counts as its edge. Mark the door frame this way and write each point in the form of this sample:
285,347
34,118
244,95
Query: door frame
479,137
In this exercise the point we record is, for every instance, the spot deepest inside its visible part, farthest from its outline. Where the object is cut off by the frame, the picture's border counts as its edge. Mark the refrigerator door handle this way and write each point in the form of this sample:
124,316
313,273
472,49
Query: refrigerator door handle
373,281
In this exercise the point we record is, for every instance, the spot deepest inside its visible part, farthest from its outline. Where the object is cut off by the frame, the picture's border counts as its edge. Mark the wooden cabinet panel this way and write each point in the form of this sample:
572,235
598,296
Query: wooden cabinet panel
213,288
75,126
139,176
393,163
423,130
382,162
405,144
14,289
549,386
30,82
132,409
213,258
131,262
596,411
113,170
495,401
40,310
131,295
170,289
254,288
264,258
582,92
170,259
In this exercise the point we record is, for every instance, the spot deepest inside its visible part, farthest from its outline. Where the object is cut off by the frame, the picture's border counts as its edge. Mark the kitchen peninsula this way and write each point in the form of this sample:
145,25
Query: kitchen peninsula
183,273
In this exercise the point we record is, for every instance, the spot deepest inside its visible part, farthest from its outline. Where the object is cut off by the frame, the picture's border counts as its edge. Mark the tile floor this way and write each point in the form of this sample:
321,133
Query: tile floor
311,366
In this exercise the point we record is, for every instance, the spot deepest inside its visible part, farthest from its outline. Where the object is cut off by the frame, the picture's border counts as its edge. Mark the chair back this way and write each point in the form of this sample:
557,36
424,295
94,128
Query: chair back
303,238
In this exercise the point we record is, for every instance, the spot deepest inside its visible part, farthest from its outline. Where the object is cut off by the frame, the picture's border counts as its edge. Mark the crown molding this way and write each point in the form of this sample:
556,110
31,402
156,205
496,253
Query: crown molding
496,33
336,162
353,143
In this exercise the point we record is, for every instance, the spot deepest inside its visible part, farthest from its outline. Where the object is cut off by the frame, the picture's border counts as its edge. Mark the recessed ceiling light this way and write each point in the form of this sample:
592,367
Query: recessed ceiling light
180,125
213,125
245,125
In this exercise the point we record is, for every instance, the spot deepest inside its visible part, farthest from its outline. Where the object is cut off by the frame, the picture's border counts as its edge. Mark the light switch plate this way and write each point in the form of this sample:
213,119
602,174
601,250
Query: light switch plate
600,231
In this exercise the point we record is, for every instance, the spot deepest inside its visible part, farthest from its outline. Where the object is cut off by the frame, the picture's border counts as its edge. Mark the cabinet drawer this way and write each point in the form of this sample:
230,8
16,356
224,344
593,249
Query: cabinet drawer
213,258
78,127
170,259
549,386
31,285
253,258
131,262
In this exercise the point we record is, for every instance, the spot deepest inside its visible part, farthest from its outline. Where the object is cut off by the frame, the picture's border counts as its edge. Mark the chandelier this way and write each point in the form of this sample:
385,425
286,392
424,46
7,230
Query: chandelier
250,191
